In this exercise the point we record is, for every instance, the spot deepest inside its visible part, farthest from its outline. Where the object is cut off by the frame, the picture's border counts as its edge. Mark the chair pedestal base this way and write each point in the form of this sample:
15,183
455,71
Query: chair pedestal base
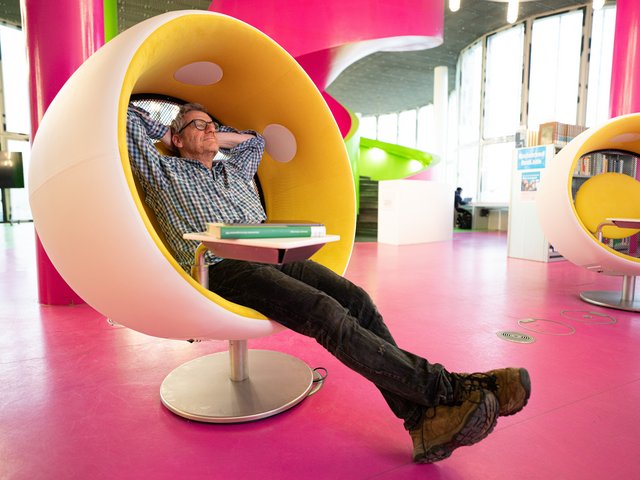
201,389
611,299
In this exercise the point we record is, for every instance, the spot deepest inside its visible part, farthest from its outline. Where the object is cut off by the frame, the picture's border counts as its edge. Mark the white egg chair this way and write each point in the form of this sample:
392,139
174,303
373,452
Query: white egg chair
607,205
93,224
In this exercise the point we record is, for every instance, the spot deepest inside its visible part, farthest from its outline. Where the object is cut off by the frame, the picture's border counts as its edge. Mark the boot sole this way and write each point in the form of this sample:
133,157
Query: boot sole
479,424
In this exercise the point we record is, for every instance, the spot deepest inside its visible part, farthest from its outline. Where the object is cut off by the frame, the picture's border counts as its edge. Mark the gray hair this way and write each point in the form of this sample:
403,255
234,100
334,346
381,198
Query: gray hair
178,122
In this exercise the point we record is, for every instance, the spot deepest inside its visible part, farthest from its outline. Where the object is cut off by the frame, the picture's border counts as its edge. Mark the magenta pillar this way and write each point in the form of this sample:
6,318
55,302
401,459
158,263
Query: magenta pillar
625,79
60,36
625,68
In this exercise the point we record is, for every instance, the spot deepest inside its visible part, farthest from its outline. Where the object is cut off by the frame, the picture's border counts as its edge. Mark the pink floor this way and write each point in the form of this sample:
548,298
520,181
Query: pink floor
79,399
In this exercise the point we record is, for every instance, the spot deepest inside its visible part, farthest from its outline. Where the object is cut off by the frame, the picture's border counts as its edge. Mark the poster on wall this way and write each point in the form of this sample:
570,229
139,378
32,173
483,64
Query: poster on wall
529,181
530,162
532,158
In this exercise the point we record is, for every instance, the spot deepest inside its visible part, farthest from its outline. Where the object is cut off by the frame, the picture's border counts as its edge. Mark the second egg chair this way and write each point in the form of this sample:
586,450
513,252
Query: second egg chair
571,224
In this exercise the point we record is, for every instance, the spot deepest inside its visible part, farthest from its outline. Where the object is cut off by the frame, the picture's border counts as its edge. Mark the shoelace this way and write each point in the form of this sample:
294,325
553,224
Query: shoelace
467,383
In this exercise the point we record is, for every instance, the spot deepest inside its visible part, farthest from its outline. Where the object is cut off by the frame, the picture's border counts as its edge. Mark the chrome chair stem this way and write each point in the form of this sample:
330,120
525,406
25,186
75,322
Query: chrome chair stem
239,356
628,288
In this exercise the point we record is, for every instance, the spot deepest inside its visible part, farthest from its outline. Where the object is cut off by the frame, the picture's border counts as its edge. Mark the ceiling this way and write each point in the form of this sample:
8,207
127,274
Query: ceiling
383,82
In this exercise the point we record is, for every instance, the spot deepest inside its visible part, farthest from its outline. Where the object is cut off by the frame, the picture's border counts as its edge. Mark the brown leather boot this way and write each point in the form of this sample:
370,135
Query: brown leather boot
447,427
512,386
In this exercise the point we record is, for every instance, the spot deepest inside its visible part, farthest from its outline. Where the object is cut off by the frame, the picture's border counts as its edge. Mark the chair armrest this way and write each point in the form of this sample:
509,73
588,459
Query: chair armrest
633,223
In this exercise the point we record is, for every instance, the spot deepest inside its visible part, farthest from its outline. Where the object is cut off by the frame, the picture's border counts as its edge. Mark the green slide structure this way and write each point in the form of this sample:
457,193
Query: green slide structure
386,161
382,161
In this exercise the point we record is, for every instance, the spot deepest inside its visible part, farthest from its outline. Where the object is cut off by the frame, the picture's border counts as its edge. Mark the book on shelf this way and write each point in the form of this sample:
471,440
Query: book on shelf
558,134
266,230
595,163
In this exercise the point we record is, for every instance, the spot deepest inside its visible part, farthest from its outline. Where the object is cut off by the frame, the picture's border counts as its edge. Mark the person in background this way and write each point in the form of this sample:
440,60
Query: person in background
463,216
458,201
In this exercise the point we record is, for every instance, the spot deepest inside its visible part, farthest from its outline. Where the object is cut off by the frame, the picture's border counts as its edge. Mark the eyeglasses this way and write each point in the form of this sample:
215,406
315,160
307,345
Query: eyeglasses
201,124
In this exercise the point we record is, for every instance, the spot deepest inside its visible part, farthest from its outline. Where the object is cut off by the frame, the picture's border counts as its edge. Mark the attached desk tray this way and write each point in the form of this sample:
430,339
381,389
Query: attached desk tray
263,250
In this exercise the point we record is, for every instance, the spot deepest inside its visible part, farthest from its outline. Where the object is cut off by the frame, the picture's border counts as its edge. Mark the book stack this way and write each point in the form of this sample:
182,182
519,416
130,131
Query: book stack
559,134
266,230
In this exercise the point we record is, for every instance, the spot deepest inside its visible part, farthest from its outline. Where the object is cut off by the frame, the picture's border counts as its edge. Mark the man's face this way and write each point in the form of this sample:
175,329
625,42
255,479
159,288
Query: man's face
194,143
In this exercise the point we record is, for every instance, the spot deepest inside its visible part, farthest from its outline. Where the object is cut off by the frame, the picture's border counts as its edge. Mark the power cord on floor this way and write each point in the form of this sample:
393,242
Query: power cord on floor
319,376
589,318
569,329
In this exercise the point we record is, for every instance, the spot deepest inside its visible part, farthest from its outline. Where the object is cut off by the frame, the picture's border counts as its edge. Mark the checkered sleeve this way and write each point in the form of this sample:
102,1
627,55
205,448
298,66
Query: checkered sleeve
246,156
144,157
153,129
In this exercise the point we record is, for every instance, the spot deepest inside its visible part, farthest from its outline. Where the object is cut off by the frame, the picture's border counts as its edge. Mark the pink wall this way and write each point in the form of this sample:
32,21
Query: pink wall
60,36
625,69
625,73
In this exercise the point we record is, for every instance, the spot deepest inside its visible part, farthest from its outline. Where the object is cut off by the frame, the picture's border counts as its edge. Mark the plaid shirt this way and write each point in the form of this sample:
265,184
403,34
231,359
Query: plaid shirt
184,194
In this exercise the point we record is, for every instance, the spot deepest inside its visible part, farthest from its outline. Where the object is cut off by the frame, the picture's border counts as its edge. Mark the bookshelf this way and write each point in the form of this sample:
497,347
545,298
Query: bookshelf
526,240
603,161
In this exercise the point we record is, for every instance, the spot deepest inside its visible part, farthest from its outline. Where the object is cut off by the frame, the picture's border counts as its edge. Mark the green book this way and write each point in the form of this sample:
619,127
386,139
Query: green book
265,230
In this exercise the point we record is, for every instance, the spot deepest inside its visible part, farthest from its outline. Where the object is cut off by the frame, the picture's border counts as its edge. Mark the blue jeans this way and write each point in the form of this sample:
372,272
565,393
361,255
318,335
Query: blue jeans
310,299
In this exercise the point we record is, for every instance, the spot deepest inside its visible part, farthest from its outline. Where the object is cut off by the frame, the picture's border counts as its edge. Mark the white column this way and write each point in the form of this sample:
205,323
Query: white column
441,114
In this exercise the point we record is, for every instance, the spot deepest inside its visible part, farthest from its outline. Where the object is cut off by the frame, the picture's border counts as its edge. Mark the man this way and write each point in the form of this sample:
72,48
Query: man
457,200
441,410
463,219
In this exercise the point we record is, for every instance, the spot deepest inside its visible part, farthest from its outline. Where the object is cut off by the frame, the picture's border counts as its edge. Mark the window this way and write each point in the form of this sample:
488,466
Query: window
407,123
451,175
388,128
556,43
502,101
368,127
468,170
503,82
425,129
470,74
495,177
16,112
470,93
14,76
600,60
